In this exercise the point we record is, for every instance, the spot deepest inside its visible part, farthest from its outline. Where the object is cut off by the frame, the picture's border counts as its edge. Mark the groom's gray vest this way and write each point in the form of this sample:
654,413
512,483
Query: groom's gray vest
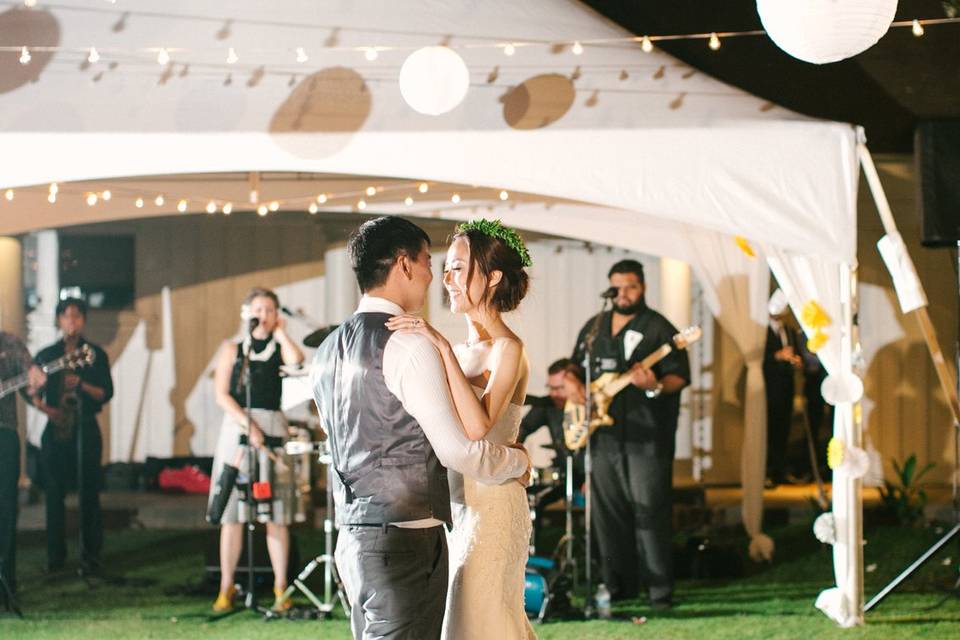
385,469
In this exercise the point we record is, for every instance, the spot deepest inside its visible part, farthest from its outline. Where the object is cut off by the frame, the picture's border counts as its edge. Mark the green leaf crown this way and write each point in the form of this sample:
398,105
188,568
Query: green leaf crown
495,229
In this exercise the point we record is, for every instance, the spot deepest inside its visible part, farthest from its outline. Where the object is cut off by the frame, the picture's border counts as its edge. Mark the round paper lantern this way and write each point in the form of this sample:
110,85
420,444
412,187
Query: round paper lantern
821,31
434,80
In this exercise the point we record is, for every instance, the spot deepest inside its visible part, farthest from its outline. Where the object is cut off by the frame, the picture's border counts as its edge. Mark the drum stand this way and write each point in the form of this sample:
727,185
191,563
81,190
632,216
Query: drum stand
328,603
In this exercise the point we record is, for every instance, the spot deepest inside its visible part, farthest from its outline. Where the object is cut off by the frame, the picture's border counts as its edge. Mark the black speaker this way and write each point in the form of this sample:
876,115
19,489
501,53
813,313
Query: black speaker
937,157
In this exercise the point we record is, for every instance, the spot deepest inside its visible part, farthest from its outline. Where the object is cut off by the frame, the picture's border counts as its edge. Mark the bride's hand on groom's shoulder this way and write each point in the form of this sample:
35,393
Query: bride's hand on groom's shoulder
406,323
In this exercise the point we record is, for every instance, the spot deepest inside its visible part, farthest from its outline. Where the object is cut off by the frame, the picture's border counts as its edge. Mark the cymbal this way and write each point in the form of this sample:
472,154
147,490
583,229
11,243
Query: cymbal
317,337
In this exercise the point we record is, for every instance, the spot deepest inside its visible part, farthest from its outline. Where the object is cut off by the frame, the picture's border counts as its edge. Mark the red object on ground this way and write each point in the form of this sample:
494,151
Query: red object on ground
188,479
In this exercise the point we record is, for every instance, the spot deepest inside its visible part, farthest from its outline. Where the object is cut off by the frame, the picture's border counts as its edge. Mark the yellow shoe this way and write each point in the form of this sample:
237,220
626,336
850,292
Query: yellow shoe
224,601
281,604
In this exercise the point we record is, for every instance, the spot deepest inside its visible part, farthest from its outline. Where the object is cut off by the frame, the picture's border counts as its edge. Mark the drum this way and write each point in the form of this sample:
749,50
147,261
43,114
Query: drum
536,592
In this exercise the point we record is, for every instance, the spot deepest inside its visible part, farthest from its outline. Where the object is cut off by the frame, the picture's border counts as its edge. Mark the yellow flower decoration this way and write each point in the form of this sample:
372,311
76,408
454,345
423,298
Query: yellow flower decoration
744,245
816,341
835,453
813,315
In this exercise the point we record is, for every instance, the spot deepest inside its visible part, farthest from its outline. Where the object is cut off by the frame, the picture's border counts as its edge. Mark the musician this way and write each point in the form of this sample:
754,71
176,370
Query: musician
14,361
262,349
633,458
71,400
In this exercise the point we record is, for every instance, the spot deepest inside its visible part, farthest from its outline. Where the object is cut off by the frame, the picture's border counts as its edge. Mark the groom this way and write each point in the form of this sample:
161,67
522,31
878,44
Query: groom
384,401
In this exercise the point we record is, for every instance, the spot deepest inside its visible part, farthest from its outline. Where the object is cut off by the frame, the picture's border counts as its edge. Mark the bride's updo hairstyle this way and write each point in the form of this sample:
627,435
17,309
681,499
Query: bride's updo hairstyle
494,247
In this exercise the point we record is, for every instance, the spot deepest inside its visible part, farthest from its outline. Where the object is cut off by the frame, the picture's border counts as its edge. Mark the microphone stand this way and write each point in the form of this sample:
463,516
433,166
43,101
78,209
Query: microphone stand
588,610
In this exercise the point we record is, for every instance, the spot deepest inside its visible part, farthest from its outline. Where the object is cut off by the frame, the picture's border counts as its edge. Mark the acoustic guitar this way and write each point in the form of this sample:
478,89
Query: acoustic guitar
76,359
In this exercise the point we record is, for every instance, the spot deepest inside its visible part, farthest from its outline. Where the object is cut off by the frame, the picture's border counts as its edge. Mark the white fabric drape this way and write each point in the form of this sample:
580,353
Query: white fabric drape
736,288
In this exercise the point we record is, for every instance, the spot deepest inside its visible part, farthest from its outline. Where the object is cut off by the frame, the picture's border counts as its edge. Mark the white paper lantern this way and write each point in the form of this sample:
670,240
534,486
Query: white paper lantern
434,80
821,31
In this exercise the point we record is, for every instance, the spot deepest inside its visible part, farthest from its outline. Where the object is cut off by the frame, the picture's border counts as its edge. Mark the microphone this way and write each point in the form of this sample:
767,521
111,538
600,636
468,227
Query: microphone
610,293
254,323
288,312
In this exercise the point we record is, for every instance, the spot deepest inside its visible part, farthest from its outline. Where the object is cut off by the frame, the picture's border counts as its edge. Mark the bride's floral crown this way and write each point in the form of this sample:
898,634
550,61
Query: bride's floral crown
495,229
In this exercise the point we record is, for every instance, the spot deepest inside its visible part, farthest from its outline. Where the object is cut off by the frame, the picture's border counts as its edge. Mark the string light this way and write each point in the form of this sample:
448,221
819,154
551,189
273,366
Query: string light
254,196
54,188
211,207
91,199
30,4
52,197
577,48
408,201
509,49
274,206
138,203
313,208
423,188
371,191
182,206
24,56
370,53
232,56
504,195
8,194
93,57
301,55
714,43
262,210
106,195
158,201
322,198
362,204
163,57
455,198
646,44
917,28
227,208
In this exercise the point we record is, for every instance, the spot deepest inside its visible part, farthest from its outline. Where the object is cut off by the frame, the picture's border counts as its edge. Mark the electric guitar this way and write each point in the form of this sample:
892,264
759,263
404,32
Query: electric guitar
577,429
76,359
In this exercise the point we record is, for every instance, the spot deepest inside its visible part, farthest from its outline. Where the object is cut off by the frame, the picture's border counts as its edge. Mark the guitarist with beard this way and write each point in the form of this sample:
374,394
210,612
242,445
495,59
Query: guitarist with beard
633,457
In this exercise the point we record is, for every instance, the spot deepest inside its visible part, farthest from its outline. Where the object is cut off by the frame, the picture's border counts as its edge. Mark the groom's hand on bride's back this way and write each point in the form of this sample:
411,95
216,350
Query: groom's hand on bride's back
524,480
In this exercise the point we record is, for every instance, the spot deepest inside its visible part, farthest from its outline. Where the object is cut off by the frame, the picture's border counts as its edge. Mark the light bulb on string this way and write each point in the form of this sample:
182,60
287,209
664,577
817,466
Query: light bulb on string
158,201
371,191
262,210
254,196
646,45
182,206
714,43
138,203
232,56
370,53
301,55
106,195
227,208
362,204
8,194
91,199
274,206
24,56
52,197
93,57
211,207
455,198
408,201
163,57
30,4
313,208
54,188
577,48
322,198
504,195
917,28
509,49
423,188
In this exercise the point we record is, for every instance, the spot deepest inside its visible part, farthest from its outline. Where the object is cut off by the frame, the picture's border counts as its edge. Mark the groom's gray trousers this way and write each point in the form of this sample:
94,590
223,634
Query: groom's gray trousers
396,580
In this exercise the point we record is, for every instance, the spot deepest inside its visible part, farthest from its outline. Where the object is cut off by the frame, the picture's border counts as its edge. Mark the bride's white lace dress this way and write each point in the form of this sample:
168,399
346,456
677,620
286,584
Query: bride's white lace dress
488,547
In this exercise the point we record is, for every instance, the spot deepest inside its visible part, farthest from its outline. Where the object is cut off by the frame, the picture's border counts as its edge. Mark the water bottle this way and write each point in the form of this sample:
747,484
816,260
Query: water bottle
603,601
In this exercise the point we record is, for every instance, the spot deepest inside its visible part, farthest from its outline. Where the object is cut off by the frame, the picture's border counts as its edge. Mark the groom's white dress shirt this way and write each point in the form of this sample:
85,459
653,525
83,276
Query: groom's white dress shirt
413,372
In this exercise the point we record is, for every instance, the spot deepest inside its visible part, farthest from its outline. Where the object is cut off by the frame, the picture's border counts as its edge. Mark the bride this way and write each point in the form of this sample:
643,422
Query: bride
484,276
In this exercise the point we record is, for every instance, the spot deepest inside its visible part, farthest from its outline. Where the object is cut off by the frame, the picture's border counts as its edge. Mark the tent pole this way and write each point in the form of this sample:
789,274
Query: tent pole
944,375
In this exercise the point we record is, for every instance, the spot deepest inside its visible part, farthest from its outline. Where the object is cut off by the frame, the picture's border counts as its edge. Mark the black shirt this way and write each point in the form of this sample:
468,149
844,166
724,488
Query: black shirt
267,385
543,411
96,373
642,425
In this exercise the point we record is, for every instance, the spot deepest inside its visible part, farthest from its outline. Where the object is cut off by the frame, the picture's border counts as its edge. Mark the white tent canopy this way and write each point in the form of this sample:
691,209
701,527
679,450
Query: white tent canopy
665,159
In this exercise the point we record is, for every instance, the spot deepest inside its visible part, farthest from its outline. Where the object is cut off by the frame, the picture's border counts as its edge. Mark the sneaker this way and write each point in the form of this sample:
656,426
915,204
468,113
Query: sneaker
225,600
281,603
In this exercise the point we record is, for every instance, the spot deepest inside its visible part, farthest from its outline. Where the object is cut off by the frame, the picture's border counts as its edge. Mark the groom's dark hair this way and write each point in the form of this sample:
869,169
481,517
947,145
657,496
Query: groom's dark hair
376,245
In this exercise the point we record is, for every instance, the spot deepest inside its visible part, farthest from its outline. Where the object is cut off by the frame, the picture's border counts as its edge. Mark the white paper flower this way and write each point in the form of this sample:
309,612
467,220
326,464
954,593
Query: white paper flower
825,528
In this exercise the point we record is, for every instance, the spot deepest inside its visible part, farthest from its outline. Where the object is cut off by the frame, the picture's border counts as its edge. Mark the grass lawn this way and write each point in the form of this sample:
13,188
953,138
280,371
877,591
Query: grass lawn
770,601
